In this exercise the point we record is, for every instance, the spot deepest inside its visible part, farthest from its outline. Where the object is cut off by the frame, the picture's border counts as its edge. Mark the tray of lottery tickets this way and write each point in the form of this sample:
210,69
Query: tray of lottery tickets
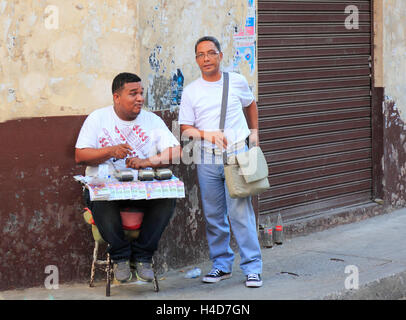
112,189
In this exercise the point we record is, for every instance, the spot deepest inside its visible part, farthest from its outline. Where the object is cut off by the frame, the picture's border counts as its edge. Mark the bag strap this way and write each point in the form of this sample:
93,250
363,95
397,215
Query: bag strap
224,107
224,101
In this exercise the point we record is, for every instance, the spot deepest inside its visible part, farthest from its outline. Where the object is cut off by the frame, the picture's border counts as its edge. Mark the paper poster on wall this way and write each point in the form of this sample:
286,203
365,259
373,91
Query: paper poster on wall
245,54
245,40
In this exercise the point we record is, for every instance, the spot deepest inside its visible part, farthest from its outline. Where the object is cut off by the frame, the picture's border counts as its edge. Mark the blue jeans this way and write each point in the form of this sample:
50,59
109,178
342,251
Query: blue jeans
106,215
220,212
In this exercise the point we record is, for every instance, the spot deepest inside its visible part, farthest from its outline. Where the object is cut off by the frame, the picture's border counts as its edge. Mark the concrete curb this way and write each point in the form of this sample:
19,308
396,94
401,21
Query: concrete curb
332,218
389,288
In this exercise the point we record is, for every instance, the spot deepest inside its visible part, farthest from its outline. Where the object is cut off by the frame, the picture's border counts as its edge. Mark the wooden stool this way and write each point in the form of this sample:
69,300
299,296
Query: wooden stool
132,220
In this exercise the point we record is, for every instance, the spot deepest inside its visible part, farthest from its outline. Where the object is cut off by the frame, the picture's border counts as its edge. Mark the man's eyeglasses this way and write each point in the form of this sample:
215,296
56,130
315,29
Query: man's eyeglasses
210,55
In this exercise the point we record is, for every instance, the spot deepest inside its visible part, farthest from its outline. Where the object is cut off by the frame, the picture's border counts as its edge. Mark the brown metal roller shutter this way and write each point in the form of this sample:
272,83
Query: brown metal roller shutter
314,105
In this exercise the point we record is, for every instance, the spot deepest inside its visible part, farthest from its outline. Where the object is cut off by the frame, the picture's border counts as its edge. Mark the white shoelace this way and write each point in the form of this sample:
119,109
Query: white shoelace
253,277
215,272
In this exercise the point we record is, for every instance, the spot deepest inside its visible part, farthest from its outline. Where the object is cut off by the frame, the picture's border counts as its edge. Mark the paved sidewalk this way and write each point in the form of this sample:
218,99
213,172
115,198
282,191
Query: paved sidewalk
303,268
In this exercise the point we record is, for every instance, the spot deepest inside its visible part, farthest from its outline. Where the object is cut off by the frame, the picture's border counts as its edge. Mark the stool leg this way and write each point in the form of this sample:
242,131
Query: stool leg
155,281
108,270
93,270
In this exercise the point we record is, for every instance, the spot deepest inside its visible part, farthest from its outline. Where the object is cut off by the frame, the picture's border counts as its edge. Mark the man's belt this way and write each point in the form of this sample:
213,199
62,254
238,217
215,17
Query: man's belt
218,152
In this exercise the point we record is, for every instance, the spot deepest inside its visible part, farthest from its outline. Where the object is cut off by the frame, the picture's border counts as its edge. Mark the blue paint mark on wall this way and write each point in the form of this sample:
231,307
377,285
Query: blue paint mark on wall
176,88
154,62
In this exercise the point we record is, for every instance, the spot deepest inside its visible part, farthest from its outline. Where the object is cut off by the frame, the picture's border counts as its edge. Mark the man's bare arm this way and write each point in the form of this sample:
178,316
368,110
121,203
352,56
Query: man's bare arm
163,159
251,114
215,137
94,157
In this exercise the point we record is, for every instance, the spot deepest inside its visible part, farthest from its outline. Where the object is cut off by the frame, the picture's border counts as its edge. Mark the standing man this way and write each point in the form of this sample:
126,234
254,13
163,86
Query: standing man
125,135
199,118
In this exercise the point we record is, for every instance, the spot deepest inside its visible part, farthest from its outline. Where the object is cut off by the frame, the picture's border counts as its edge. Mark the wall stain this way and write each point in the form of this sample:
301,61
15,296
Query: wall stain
394,161
158,94
154,61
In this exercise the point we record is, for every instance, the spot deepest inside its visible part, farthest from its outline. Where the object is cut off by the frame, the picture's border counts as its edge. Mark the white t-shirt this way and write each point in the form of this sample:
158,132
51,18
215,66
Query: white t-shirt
147,134
201,107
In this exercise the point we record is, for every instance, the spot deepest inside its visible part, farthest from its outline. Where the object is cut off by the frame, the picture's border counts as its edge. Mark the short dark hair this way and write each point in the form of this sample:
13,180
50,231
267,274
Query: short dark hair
208,38
121,79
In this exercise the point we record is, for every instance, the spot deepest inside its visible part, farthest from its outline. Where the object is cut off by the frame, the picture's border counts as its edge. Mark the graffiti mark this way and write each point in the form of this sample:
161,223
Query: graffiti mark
176,88
153,59
164,93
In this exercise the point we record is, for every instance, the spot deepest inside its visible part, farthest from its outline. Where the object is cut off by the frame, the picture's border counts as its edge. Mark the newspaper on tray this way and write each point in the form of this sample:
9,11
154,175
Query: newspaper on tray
111,189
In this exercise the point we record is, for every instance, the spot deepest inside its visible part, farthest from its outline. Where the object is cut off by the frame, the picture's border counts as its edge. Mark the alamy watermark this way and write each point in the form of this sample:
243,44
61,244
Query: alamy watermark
352,21
352,281
51,20
52,281
199,150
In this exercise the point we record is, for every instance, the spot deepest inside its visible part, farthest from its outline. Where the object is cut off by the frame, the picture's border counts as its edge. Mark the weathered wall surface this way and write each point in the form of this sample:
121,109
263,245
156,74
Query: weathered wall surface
40,222
394,106
57,61
58,57
394,47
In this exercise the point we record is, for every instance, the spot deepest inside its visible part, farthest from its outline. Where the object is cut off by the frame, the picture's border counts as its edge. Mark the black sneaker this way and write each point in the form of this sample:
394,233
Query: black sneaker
253,280
215,275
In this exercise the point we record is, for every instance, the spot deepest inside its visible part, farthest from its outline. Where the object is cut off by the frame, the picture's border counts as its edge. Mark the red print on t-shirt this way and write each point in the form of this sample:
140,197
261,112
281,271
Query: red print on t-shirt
135,136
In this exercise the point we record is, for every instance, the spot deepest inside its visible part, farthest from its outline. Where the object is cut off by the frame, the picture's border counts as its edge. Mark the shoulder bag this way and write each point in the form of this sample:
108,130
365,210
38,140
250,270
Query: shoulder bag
246,173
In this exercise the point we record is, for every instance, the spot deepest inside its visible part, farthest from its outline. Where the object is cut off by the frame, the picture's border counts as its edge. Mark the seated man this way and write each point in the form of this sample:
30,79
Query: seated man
126,136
